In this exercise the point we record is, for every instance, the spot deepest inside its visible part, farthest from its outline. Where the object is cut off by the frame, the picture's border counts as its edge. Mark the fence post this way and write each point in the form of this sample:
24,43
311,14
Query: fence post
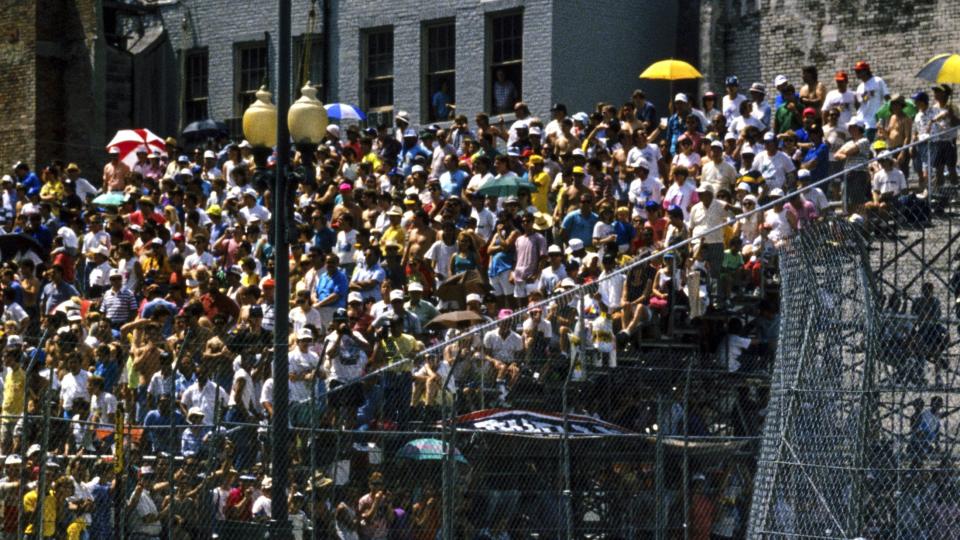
686,456
31,365
565,445
44,447
658,534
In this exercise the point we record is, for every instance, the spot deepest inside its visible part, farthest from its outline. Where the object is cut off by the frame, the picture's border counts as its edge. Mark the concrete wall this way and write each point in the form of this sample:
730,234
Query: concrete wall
600,47
758,39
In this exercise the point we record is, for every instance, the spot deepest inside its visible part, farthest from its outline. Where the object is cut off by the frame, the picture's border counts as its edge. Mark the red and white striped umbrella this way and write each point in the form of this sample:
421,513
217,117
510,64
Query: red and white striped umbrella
129,140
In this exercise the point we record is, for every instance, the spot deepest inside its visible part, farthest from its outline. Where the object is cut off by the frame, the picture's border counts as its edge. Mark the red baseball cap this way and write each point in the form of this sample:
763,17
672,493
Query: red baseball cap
861,65
840,76
809,111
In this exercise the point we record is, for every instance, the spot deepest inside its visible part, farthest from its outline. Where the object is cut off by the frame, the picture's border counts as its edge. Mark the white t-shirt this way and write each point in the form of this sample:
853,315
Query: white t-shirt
642,191
486,222
774,168
14,312
74,387
543,327
205,399
891,181
731,107
611,289
248,398
731,348
870,93
688,161
503,349
840,100
651,153
347,365
440,254
261,507
301,363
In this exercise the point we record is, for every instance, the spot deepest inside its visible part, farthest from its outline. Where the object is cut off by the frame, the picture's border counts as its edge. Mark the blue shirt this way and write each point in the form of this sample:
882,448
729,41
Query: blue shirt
439,102
158,430
190,442
31,181
110,372
625,232
337,283
675,127
17,291
580,226
101,527
453,182
53,295
324,239
153,305
822,155
409,154
648,113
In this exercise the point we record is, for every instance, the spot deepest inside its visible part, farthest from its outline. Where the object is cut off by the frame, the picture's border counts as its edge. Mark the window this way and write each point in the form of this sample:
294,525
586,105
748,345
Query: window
378,69
506,61
308,64
441,63
251,73
195,86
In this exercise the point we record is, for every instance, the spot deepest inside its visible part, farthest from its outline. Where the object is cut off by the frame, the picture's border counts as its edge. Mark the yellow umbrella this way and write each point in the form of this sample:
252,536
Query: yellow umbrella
670,70
943,68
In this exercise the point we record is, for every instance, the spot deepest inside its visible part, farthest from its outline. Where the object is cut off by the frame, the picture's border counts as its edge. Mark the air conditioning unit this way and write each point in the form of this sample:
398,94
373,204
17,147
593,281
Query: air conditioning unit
375,119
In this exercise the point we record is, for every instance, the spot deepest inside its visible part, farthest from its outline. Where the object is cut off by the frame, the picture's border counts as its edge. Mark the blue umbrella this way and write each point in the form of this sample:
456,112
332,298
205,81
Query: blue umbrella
427,450
344,111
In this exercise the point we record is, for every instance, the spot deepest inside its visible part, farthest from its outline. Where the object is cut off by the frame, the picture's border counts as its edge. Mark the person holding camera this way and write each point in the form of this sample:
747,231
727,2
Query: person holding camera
344,361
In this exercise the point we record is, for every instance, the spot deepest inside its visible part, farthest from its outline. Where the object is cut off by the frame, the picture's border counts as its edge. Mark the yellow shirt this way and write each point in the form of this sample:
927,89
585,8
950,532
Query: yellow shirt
49,512
373,160
542,193
399,348
392,233
13,389
52,189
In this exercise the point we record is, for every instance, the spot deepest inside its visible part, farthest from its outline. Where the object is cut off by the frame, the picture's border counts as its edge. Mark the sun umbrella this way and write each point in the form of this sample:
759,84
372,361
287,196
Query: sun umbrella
427,450
129,140
344,111
505,186
204,128
114,198
943,68
670,70
456,287
909,109
18,243
453,319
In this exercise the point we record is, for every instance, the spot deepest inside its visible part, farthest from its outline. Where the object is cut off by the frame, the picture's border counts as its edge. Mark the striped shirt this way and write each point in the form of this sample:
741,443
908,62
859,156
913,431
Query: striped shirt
119,306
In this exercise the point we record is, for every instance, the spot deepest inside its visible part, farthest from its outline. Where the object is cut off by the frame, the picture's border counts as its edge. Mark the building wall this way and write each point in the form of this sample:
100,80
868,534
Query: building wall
17,88
763,38
601,47
217,25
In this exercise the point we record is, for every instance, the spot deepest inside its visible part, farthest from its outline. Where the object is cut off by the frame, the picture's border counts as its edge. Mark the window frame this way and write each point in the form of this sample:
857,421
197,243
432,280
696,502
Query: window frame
191,97
513,64
431,72
366,78
242,98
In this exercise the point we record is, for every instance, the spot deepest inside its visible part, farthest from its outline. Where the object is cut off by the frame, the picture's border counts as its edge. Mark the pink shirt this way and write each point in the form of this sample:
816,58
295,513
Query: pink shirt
530,247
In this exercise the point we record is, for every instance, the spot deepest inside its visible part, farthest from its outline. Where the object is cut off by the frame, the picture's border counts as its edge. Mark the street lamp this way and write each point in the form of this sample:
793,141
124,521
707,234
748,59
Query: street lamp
307,121
260,130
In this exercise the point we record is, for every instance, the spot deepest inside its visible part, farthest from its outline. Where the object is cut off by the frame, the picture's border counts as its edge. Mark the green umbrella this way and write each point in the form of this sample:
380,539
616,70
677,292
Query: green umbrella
909,109
505,186
113,198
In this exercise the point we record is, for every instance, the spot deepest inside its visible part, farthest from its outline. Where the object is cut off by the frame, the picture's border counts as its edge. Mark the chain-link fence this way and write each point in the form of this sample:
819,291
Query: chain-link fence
628,407
858,440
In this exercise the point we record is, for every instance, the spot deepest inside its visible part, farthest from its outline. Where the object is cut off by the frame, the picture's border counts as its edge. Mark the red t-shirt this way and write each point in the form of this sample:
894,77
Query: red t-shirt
235,496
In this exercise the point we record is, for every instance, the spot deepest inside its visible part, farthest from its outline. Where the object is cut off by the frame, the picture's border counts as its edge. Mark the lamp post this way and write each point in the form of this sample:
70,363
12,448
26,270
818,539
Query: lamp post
264,126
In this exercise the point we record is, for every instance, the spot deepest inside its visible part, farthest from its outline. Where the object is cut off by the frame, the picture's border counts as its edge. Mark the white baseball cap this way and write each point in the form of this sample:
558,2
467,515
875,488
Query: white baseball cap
780,80
396,294
554,249
776,192
575,244
474,297
415,286
743,186
209,154
354,297
681,97
416,169
803,173
304,333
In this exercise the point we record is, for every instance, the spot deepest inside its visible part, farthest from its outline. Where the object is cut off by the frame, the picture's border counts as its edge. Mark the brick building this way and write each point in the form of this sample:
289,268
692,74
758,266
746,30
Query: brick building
759,39
391,56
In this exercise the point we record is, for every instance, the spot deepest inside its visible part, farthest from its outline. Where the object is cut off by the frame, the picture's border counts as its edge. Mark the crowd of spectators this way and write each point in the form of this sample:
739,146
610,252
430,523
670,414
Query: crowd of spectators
162,304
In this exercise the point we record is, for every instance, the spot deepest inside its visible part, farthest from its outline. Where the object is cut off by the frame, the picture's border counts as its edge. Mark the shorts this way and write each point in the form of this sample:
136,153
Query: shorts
501,284
519,287
944,155
345,394
921,157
